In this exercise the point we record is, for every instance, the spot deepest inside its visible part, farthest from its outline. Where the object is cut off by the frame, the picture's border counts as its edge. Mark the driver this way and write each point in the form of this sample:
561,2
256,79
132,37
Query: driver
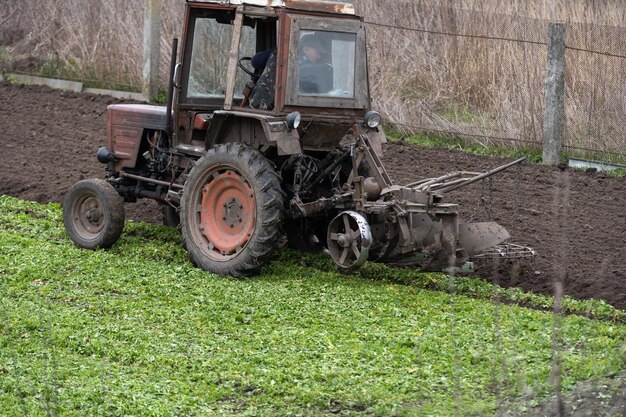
312,50
315,75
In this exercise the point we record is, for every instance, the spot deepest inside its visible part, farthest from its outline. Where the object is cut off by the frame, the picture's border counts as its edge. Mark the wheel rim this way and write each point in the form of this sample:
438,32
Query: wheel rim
349,239
88,215
227,210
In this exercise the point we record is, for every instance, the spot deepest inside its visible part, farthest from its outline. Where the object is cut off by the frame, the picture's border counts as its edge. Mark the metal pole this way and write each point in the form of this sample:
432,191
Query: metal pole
170,86
482,176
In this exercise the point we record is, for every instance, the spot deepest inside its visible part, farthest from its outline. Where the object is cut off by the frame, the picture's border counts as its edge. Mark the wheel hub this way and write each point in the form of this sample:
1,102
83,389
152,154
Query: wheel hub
93,215
233,211
344,240
227,214
88,215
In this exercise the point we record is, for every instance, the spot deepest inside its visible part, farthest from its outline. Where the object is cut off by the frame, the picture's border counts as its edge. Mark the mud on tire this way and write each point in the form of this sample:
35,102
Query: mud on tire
231,210
93,214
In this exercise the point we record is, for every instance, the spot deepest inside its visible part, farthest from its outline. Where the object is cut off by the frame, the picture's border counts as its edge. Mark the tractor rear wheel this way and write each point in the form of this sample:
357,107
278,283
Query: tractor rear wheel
231,210
93,214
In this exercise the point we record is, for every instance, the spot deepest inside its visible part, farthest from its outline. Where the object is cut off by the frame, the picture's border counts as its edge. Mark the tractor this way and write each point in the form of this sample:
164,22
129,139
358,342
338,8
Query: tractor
268,137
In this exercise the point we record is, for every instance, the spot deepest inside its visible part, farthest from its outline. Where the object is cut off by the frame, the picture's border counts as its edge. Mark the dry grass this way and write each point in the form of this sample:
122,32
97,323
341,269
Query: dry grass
100,41
485,85
473,86
597,12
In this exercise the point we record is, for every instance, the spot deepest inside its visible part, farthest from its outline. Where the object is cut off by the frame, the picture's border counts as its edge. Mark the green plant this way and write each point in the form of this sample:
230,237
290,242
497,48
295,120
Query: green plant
138,330
13,80
442,140
463,113
160,98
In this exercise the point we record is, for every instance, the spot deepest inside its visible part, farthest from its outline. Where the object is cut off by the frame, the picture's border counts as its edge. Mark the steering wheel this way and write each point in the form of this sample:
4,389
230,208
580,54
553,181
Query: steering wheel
244,68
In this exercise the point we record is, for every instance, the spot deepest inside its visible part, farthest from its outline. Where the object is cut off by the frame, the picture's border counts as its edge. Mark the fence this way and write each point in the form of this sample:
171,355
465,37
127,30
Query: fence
78,40
472,74
481,76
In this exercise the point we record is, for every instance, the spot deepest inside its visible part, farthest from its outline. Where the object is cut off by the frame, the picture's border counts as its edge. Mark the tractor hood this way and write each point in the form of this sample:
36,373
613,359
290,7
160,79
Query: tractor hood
126,124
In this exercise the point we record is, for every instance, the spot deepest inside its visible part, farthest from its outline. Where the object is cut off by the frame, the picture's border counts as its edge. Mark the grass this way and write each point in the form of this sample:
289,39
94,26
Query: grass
532,154
137,330
160,98
442,140
73,70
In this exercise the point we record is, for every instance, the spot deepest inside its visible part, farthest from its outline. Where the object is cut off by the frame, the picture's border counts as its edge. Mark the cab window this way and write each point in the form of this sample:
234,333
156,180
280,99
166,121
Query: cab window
327,66
209,40
326,63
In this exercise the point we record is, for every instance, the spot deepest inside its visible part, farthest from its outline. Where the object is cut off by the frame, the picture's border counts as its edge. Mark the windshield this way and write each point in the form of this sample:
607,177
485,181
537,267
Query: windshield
210,55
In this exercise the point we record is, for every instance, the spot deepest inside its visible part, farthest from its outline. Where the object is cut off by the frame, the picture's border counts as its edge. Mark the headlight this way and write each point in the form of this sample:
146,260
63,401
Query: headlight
293,120
371,119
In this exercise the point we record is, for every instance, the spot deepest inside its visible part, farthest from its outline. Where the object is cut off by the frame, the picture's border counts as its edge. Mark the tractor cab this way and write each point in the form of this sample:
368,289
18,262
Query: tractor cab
295,71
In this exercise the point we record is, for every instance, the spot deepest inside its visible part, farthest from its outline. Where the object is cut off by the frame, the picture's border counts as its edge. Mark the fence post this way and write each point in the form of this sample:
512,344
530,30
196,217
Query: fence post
151,47
555,95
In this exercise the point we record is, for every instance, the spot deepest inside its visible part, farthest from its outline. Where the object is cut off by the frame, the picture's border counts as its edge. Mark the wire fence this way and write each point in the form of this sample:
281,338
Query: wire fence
471,74
480,76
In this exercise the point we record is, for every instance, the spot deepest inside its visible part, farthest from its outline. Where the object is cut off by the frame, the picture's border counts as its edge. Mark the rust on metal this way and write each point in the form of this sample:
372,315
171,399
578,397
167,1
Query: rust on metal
125,126
338,7
228,212
201,121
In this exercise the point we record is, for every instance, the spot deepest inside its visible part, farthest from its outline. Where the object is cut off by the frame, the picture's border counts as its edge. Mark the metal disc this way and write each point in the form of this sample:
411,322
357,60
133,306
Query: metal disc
349,239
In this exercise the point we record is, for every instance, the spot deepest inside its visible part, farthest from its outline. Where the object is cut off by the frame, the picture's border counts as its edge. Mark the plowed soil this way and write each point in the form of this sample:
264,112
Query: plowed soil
575,220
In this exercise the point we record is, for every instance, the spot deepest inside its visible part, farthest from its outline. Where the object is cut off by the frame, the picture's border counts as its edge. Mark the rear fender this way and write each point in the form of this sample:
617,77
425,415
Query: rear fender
255,130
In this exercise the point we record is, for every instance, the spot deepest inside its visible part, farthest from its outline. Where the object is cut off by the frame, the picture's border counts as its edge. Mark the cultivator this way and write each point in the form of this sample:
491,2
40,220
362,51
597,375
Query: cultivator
392,223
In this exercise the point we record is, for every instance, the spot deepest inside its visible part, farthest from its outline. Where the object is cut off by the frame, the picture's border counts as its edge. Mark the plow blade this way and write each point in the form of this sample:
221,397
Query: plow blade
475,237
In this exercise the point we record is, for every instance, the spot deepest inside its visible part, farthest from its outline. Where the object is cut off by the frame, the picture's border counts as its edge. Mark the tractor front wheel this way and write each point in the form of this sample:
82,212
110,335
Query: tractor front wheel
231,210
93,214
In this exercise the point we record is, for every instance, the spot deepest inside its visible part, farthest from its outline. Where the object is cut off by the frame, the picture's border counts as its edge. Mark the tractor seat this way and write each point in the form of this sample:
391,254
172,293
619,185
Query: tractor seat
262,93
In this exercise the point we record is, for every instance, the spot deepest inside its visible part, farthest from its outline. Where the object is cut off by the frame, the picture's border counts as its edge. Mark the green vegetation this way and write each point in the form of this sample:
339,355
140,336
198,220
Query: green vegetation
532,154
616,172
443,140
12,80
75,71
160,98
464,113
137,330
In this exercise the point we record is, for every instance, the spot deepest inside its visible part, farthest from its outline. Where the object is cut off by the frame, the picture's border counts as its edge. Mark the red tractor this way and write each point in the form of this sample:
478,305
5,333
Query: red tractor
268,133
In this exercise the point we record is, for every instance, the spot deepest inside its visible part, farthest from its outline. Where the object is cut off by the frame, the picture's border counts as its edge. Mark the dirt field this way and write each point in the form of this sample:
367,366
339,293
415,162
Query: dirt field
576,221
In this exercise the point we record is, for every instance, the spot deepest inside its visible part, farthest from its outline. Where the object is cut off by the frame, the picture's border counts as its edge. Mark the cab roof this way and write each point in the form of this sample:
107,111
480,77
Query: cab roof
328,6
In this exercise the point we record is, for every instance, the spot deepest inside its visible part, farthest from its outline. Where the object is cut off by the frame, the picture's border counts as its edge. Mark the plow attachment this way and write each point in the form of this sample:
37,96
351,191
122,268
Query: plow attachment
505,251
475,237
411,224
